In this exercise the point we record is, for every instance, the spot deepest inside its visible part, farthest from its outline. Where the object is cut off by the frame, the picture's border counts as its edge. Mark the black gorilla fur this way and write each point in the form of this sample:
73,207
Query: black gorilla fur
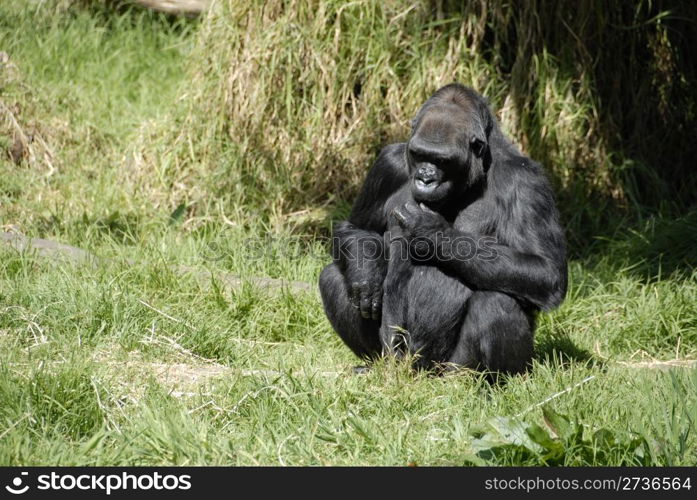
451,248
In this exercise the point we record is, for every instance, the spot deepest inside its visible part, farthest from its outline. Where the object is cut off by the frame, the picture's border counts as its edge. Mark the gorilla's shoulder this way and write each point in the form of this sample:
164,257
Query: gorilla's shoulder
518,163
519,173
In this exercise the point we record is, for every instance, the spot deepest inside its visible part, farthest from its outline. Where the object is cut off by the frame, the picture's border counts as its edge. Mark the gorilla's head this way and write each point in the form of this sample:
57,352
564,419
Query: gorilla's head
448,151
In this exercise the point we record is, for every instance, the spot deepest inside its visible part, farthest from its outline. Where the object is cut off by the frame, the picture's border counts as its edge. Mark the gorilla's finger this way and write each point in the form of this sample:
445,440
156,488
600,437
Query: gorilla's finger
366,300
362,289
376,306
426,209
355,295
411,207
401,219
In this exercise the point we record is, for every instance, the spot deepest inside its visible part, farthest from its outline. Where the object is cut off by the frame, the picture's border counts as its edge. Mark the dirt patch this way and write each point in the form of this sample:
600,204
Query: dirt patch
182,375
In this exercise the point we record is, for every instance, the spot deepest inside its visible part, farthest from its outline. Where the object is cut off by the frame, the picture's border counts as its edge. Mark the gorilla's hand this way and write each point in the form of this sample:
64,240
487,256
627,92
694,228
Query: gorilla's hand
423,229
365,291
419,221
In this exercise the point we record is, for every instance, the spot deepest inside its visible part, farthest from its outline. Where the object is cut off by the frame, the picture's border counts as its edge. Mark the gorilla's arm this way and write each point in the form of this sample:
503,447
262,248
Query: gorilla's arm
526,258
358,246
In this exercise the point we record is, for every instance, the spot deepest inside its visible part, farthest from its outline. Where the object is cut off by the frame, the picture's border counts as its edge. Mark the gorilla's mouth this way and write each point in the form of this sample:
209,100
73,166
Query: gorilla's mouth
430,189
429,183
426,185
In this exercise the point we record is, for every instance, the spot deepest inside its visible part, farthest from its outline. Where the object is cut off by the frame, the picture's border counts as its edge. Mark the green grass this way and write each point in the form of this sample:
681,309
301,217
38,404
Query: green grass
85,84
126,360
91,375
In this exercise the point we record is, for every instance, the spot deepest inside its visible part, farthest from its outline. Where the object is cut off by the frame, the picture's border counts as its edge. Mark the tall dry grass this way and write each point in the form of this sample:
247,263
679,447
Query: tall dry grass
289,100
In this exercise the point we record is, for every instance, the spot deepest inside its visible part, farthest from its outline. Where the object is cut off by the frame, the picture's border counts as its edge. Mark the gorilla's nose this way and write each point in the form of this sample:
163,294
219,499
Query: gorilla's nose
427,174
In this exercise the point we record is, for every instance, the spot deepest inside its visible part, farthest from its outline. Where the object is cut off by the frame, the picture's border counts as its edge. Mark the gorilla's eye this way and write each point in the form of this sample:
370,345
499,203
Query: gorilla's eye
418,157
477,146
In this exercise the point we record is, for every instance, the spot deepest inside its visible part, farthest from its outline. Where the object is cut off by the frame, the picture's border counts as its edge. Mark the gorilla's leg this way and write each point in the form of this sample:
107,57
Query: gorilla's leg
496,335
357,332
393,333
436,304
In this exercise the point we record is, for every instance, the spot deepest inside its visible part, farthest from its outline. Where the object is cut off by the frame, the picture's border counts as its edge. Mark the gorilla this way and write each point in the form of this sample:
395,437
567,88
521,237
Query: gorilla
451,248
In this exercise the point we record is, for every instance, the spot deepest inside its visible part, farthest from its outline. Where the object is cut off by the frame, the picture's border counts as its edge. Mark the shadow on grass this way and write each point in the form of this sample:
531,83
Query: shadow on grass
123,228
656,248
559,349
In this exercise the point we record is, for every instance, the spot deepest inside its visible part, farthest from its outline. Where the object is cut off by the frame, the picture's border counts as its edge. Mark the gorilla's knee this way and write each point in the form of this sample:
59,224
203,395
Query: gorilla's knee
506,343
360,334
497,334
331,287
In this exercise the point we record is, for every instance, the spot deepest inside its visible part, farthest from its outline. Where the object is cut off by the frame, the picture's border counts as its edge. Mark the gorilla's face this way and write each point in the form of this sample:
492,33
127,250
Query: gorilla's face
445,152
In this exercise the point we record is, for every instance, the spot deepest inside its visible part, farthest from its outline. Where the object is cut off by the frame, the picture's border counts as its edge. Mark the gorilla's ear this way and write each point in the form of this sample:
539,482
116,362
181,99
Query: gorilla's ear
487,118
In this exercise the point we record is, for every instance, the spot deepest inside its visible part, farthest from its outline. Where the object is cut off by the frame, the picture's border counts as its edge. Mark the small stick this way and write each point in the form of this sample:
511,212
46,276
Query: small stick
555,396
6,431
171,318
190,327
